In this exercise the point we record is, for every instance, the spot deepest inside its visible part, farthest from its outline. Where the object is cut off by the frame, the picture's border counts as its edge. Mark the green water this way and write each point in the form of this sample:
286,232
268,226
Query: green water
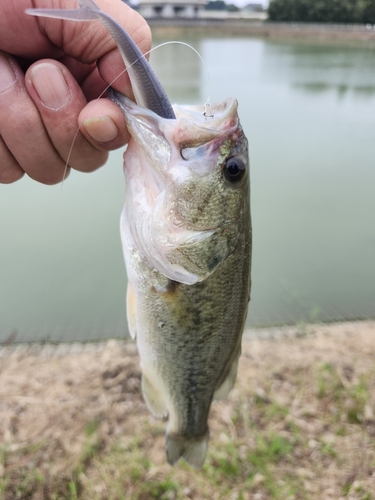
309,114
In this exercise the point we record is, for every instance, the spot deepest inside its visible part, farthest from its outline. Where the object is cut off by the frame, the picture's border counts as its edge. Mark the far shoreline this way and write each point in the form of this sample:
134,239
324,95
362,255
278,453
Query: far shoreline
263,29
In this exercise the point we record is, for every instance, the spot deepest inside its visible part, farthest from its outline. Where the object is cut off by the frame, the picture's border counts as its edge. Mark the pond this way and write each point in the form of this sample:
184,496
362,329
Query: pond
308,111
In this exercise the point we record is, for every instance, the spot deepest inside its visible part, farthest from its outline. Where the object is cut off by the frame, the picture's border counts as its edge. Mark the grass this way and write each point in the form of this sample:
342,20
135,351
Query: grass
299,426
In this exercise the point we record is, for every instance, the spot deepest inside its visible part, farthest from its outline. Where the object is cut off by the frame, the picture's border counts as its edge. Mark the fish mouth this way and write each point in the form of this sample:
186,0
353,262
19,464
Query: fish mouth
193,135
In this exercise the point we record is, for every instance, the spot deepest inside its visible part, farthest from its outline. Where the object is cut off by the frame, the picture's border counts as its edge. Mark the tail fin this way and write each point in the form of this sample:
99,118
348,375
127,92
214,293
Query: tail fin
193,450
86,12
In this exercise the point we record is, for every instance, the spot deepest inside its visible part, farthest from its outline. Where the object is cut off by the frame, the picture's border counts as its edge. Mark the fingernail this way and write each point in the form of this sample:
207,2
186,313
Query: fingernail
101,128
7,75
50,85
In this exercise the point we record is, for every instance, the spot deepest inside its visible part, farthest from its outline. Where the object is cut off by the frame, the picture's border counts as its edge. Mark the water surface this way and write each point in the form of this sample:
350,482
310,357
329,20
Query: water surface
308,111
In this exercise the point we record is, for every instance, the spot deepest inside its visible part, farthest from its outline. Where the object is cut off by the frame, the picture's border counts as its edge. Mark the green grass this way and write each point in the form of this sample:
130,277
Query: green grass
349,400
329,383
228,465
269,451
306,422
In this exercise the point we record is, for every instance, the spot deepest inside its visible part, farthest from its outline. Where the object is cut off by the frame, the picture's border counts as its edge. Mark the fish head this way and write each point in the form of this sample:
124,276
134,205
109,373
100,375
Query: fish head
187,187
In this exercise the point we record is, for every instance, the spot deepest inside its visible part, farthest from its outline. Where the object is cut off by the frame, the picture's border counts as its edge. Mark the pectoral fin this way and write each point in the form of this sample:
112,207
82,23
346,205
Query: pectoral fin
131,311
199,255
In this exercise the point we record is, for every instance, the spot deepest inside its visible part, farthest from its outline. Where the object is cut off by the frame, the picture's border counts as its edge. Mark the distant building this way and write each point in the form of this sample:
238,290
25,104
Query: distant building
171,8
253,7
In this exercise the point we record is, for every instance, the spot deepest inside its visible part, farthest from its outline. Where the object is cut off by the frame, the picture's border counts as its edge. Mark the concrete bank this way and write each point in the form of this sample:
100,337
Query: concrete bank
49,350
246,27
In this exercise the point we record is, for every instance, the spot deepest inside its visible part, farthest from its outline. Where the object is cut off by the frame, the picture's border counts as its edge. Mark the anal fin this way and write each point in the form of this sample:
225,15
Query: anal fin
153,397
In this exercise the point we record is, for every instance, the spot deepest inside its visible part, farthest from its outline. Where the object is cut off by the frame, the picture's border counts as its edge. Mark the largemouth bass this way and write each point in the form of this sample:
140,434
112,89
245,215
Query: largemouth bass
186,236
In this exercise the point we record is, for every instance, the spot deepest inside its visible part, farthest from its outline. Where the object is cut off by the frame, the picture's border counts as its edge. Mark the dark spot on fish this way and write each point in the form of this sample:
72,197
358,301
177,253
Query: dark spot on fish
172,286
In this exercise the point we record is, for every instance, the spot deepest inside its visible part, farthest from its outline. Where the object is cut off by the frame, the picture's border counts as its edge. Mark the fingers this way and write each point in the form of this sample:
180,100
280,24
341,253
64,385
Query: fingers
41,110
59,101
10,171
39,124
103,124
22,130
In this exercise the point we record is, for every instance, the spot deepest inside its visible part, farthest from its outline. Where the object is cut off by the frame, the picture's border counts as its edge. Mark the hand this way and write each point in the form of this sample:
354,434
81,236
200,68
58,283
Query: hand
68,64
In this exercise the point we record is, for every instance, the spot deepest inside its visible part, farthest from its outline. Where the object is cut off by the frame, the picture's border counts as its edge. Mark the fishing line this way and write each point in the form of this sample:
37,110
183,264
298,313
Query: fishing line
53,244
197,53
206,113
207,102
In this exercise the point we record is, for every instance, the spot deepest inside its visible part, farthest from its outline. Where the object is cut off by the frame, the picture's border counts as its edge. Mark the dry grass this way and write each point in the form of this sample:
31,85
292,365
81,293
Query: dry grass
299,424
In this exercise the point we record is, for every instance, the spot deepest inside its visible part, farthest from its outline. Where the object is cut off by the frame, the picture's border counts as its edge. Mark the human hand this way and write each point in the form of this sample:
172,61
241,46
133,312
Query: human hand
71,65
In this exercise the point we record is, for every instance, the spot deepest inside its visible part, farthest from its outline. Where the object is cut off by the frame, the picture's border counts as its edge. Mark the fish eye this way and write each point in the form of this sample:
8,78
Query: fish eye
234,170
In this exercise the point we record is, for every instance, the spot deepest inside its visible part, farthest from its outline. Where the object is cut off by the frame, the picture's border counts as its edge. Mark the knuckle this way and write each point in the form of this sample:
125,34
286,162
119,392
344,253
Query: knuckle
142,33
27,118
50,178
145,37
10,171
20,119
10,175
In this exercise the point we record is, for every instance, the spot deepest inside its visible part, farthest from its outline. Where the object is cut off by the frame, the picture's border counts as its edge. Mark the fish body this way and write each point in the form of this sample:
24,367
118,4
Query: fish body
186,235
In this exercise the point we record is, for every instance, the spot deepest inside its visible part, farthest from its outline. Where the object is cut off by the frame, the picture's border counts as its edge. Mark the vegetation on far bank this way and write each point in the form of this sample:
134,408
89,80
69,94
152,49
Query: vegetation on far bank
323,11
216,5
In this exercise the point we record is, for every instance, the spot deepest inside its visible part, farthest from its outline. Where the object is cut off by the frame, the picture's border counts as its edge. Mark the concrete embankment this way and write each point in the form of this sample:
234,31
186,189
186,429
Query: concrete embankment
246,27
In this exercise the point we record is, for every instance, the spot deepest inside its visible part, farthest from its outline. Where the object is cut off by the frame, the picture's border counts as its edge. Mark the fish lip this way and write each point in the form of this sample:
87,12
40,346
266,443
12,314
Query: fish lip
219,112
222,112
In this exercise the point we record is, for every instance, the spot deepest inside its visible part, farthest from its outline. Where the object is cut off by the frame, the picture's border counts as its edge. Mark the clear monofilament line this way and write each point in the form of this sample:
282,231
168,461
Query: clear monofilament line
55,223
197,53
207,102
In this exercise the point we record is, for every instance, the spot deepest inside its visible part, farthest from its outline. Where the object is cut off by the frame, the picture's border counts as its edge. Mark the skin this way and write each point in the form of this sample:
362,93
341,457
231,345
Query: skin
51,72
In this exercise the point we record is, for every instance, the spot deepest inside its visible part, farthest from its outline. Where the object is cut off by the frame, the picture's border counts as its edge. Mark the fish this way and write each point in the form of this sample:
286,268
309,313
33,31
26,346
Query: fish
187,239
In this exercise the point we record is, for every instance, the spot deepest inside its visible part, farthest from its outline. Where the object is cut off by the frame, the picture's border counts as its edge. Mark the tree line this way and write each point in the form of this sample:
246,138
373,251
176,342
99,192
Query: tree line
221,5
323,11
